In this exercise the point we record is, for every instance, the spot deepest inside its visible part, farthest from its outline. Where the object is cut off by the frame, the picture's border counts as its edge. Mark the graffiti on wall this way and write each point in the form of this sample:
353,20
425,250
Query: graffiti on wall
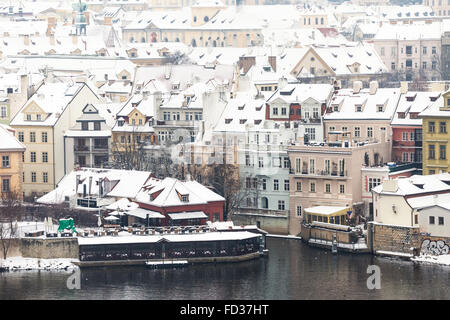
434,247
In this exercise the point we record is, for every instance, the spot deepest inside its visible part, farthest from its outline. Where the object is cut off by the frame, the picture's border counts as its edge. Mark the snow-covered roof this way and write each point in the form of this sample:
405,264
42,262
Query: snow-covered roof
413,102
387,98
418,184
300,92
8,141
169,192
434,109
125,184
441,200
207,236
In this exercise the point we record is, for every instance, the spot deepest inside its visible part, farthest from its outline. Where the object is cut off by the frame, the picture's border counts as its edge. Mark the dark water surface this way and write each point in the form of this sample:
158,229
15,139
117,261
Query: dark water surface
292,271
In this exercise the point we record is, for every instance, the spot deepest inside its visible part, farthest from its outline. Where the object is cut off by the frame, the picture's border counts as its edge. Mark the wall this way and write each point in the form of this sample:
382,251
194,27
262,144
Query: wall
49,248
392,238
270,223
308,232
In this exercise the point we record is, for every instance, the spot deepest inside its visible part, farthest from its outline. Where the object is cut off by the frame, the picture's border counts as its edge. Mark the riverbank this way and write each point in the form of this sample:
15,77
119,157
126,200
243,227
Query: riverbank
28,264
429,259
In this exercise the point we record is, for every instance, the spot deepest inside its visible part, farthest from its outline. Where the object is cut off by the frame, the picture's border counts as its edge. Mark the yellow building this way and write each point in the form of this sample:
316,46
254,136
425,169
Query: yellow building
436,135
40,125
11,169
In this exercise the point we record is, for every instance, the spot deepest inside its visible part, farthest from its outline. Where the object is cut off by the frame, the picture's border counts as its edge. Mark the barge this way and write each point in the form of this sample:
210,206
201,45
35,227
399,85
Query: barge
203,247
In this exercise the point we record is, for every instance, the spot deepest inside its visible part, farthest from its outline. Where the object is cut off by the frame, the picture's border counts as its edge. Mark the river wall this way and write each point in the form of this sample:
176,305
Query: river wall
383,237
44,248
274,224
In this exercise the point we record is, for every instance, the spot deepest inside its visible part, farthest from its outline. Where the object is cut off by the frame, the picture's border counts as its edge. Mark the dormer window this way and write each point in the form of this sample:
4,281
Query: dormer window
227,121
184,198
120,123
28,117
175,86
84,126
401,115
38,117
358,108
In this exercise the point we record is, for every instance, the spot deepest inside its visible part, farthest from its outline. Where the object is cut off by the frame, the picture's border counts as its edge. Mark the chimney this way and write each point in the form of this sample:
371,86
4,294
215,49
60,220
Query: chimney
107,21
52,39
246,63
390,185
26,40
373,86
357,86
403,87
273,62
74,39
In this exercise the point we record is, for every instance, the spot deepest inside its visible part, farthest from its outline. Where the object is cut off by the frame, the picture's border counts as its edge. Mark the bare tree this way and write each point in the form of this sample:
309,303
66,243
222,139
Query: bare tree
11,210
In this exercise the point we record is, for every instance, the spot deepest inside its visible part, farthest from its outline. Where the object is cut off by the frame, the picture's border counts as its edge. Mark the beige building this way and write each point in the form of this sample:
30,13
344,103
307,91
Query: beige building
328,175
40,125
440,7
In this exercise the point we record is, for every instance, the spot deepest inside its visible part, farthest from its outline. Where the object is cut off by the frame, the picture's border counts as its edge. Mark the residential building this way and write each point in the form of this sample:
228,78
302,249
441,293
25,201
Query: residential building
436,135
407,126
363,114
439,7
329,173
411,51
398,201
445,55
88,142
40,125
302,105
11,166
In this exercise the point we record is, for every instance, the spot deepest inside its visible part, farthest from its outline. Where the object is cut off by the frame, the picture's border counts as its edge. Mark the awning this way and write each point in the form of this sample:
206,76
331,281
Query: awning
111,218
143,213
188,215
327,210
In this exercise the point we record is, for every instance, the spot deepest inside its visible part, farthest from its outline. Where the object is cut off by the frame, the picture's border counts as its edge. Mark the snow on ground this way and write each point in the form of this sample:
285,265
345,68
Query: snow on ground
443,259
20,263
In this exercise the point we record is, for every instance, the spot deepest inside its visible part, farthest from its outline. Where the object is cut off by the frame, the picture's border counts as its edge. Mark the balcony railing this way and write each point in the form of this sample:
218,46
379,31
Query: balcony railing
81,148
332,173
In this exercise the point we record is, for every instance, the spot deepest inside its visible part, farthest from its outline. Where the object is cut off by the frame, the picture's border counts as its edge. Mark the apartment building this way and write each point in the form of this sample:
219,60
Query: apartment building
40,125
11,166
329,175
435,135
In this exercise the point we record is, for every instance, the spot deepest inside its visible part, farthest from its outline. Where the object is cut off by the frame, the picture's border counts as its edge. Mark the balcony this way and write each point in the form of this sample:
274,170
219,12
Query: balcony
81,148
322,173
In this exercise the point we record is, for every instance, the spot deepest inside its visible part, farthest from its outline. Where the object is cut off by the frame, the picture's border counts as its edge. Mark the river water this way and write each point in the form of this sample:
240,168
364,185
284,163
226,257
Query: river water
291,271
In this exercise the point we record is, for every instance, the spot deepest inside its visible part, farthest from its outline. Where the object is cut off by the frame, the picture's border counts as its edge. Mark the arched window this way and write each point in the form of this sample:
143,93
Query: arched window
321,21
194,43
264,203
206,19
214,43
195,19
143,39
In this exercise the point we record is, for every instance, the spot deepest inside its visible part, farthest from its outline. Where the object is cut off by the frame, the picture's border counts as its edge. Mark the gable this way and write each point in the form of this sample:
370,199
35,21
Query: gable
89,108
311,59
310,100
33,107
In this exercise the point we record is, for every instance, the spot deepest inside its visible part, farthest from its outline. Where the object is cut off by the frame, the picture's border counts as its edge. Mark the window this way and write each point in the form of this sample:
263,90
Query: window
44,157
264,203
84,126
33,177
411,136
299,211
283,111
433,50
442,127
286,163
20,136
32,136
433,65
405,156
357,131
311,133
281,205
264,184
3,112
275,185
373,182
45,177
260,162
408,49
392,65
33,156
382,51
299,186
431,220
431,151
341,188
442,152
327,166
312,187
405,136
416,219
327,188
122,139
424,50
275,111
28,117
298,165
424,65
370,132
431,127
44,137
5,185
5,161
441,221
286,185
311,166
247,160
97,125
